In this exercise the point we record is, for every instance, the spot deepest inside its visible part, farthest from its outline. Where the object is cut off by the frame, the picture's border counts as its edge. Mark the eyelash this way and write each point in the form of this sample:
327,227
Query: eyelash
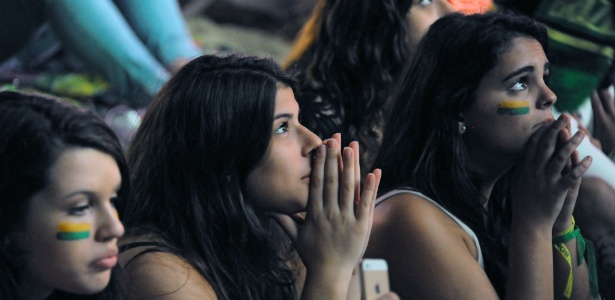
79,210
520,81
283,128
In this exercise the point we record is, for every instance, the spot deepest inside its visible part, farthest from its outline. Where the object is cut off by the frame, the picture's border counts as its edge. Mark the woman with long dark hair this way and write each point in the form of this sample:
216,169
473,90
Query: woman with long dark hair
481,180
346,59
219,158
62,171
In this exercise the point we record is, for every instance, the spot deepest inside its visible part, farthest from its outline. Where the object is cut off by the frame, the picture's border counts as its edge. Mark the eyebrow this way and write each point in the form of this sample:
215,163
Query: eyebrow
87,193
280,116
519,71
524,70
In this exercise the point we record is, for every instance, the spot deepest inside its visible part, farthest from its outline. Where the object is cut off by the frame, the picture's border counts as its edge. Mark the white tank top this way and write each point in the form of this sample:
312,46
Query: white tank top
463,225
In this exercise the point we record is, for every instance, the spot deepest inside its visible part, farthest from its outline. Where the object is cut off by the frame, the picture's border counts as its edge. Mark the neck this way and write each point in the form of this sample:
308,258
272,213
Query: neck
489,174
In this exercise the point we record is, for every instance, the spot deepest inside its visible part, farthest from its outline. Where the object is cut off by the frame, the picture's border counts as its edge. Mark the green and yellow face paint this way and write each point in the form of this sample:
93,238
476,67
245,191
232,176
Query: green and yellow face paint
73,231
513,108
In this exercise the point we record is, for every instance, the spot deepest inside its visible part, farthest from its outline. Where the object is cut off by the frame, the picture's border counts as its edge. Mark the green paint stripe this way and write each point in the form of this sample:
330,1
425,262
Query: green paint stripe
71,236
514,111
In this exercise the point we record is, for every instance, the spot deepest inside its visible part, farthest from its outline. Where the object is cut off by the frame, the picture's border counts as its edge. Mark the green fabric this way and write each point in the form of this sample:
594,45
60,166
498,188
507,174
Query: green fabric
583,247
590,18
577,68
582,41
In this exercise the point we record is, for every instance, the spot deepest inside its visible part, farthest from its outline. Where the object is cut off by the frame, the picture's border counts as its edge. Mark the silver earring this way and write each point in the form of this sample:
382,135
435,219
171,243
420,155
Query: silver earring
462,127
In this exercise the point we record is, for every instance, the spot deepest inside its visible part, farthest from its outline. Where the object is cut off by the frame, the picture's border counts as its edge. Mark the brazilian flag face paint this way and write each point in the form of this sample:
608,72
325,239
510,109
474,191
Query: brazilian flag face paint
513,108
73,231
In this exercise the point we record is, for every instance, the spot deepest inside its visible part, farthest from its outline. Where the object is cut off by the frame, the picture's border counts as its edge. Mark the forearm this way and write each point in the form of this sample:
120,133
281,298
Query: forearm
530,263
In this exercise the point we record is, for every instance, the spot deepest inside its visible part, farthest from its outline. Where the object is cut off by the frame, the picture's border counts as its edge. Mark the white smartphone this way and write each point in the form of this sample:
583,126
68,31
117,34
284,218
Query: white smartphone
374,278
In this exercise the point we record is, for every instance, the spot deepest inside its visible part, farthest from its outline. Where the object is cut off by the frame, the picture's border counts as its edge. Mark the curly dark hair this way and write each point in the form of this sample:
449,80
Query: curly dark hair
346,58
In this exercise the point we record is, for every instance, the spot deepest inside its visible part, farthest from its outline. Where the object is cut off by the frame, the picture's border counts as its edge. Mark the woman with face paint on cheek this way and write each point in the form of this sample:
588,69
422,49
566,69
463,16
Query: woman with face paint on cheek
62,172
481,180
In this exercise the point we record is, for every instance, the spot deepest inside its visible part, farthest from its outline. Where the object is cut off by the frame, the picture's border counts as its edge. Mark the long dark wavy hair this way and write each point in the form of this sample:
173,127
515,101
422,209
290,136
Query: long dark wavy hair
422,147
203,133
34,132
350,53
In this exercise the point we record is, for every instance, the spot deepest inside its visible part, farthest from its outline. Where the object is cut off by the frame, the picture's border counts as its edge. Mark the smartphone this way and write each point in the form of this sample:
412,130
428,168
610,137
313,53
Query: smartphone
374,278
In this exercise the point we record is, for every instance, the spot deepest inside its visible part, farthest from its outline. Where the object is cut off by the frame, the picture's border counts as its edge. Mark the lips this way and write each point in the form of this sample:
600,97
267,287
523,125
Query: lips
307,175
108,261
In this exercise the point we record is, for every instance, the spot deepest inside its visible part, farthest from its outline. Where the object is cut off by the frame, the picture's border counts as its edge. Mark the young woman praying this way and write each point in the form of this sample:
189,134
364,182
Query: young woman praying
219,158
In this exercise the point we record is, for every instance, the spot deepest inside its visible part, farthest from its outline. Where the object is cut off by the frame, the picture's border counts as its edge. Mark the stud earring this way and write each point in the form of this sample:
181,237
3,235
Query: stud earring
462,127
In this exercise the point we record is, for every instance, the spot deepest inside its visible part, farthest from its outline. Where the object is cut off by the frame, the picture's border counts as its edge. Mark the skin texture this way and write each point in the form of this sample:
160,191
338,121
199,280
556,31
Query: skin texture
422,14
604,119
280,182
598,227
431,256
83,184
506,134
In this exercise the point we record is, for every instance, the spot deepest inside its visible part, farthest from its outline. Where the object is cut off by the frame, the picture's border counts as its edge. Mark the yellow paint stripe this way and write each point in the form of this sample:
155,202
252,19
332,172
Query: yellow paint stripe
514,104
74,227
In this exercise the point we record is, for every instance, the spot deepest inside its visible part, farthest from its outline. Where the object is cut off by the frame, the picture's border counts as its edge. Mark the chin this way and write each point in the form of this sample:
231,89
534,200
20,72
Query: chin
92,284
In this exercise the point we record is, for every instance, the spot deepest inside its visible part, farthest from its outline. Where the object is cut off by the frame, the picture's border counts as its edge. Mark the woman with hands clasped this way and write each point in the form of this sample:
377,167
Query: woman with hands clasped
219,158
481,180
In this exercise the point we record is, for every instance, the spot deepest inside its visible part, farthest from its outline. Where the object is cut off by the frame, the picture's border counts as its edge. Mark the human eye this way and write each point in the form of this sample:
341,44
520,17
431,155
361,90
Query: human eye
282,128
519,85
79,209
424,2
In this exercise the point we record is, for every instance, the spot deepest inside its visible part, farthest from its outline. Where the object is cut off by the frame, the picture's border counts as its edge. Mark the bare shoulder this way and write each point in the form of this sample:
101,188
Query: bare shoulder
412,213
162,275
429,254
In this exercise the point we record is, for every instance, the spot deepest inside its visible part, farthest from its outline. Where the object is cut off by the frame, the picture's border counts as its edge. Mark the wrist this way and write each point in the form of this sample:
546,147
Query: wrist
563,226
326,285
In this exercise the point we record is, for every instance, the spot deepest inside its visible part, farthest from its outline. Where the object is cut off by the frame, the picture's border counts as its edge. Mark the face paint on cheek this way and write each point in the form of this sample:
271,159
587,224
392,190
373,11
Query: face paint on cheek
513,108
73,231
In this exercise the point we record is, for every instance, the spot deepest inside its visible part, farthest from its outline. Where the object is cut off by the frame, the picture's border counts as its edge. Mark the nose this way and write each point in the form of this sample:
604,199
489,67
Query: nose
546,98
110,227
310,141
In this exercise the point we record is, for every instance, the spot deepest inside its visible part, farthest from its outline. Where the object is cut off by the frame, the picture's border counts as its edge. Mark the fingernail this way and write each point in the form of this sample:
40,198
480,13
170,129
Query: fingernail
348,152
321,150
331,144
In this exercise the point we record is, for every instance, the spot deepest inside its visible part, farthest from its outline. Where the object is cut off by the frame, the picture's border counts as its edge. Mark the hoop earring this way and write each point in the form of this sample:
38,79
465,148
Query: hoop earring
462,127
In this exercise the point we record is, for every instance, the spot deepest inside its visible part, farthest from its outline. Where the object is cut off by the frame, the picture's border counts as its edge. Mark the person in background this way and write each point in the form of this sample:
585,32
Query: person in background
61,173
346,59
134,44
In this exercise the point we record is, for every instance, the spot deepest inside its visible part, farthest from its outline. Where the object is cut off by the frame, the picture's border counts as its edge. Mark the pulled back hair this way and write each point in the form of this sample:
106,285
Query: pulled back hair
34,132
350,53
204,132
422,147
